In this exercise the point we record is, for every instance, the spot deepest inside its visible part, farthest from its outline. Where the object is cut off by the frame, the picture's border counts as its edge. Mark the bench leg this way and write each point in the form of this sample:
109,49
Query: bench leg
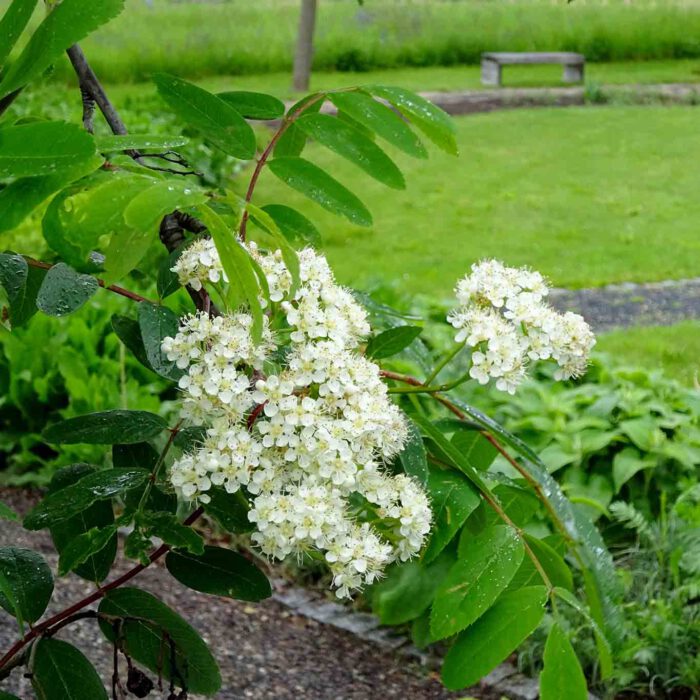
573,73
490,73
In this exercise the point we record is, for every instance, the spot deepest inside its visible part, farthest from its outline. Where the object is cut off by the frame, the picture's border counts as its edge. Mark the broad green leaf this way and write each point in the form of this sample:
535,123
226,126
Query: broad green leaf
82,217
408,589
142,217
602,644
21,197
230,510
295,226
216,118
64,290
129,332
85,546
554,567
475,448
481,573
13,278
156,323
289,255
67,23
169,529
562,676
431,120
353,145
499,631
144,640
28,583
519,504
380,119
453,499
7,696
293,140
319,186
392,341
62,672
23,306
12,25
253,105
644,431
414,459
167,282
627,463
43,148
75,498
6,513
188,439
140,142
106,428
603,585
219,571
98,515
243,282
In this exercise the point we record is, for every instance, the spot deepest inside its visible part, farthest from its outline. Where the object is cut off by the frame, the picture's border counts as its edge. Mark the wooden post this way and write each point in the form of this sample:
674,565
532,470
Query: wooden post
305,45
490,72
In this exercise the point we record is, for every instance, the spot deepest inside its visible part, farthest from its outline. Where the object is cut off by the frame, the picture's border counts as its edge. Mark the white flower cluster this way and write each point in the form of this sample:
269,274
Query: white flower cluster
198,264
304,436
503,315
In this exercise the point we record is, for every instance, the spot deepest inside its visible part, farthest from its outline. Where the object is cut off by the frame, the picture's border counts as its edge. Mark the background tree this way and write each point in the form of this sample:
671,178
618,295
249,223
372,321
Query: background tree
305,45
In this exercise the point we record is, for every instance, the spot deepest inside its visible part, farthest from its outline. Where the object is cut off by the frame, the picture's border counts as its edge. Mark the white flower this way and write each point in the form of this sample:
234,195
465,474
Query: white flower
502,315
303,427
198,264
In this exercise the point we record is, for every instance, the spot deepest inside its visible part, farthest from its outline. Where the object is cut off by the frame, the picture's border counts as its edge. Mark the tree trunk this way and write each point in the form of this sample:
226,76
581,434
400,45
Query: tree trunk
305,45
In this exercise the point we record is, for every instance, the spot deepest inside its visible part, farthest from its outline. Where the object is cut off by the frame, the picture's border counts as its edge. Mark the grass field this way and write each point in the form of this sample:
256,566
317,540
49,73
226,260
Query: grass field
588,196
196,39
673,349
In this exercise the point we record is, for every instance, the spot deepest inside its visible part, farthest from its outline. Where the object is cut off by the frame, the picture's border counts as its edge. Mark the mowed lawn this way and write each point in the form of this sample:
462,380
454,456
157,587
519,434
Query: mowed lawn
589,196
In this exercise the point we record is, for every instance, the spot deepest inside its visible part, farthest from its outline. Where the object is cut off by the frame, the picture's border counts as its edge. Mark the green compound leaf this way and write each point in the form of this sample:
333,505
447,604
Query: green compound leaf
380,119
294,225
62,672
129,332
481,647
144,640
431,120
453,499
414,458
253,105
554,567
27,583
482,572
74,499
140,142
12,25
64,290
392,341
351,144
106,428
562,676
293,140
43,148
215,117
219,571
67,23
157,323
319,186
98,515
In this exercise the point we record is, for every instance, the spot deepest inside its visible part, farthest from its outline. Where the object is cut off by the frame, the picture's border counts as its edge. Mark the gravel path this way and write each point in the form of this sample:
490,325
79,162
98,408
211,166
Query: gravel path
626,305
265,651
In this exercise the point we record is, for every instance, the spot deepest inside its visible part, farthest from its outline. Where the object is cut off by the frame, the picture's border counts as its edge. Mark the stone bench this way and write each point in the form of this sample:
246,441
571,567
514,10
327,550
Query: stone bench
492,64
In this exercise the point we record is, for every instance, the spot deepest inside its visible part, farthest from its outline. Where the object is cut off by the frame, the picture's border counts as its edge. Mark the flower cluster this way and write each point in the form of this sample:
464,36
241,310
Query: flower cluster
305,425
199,264
503,316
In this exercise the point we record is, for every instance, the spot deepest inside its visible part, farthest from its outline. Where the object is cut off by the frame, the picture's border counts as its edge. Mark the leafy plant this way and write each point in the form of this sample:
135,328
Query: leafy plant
273,349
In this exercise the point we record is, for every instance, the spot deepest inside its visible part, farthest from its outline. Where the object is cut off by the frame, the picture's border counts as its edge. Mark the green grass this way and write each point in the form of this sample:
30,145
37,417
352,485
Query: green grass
673,349
588,196
238,36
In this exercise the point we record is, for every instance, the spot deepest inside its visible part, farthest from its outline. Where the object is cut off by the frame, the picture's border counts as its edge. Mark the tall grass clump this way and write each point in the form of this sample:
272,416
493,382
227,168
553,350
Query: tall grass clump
233,37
